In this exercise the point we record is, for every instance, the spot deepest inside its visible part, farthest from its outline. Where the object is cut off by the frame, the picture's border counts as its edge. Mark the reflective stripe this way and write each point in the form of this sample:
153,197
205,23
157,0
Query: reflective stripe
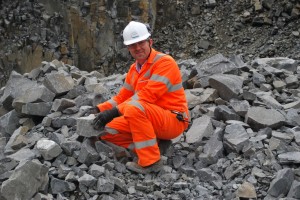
137,104
175,87
111,130
171,88
163,79
128,86
148,143
112,102
135,97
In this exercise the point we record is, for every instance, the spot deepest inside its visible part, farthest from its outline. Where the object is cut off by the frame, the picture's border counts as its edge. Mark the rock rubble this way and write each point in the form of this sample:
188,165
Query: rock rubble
243,142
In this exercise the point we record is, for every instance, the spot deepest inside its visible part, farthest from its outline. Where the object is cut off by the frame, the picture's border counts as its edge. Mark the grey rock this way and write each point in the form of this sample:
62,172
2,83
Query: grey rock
23,155
213,65
202,127
278,63
289,157
69,147
16,86
293,118
224,113
33,95
292,81
233,170
58,122
48,149
260,117
9,122
60,186
235,138
30,177
62,104
85,128
96,170
7,164
258,79
228,86
294,190
87,180
212,151
240,107
14,143
38,109
88,154
270,101
58,83
207,175
105,185
281,183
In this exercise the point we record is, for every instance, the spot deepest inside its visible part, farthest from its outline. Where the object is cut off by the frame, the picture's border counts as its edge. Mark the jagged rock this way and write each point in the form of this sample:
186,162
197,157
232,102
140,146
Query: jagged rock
87,154
295,190
289,157
235,138
278,63
224,113
85,128
16,86
58,83
240,107
30,177
48,148
282,182
62,104
260,117
201,128
60,186
105,185
212,151
9,122
228,86
38,109
33,95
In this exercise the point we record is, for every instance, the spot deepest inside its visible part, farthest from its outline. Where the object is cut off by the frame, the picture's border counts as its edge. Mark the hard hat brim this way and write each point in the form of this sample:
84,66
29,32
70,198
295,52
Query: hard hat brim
129,42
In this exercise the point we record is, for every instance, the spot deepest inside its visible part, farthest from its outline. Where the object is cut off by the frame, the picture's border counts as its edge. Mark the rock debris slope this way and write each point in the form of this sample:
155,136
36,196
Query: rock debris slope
243,142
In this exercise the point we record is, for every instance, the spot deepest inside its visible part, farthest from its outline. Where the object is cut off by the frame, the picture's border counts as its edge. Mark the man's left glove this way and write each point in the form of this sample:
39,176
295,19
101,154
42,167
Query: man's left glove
104,117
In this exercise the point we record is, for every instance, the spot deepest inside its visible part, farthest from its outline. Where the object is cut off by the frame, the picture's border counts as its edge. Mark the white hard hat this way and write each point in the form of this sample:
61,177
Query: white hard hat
135,32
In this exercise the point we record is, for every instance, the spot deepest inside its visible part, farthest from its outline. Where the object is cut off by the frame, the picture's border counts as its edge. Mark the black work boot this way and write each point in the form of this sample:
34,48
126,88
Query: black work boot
155,167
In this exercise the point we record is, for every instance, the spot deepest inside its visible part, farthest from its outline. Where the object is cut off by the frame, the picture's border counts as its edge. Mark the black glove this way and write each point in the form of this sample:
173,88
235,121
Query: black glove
92,110
104,117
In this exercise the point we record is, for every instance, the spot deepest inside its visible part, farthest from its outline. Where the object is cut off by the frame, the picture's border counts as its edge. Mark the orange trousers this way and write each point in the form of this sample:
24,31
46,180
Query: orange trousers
139,128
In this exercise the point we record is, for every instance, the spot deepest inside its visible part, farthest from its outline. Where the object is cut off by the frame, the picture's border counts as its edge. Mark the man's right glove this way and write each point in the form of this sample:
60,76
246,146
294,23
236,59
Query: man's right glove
104,117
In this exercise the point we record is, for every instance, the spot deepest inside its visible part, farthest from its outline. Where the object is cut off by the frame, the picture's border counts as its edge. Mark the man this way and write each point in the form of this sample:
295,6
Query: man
150,106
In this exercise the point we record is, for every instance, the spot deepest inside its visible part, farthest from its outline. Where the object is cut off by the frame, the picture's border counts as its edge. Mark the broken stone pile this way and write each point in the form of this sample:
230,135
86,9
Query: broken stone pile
243,141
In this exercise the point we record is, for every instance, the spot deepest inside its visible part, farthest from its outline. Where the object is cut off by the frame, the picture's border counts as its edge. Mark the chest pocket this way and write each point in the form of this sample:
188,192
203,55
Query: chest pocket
143,81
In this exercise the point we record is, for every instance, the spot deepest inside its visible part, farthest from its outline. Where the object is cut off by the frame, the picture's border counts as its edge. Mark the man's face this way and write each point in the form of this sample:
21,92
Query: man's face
140,50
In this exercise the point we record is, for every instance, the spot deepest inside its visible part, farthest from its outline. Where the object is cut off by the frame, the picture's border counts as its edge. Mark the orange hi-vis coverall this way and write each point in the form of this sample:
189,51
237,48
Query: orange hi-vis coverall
146,103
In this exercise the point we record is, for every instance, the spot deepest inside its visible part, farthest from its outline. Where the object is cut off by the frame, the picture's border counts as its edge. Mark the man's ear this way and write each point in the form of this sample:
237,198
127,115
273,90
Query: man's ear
150,42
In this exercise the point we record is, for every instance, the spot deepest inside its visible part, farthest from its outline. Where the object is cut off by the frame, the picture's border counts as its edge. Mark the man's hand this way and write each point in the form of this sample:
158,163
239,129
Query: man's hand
104,117
92,110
